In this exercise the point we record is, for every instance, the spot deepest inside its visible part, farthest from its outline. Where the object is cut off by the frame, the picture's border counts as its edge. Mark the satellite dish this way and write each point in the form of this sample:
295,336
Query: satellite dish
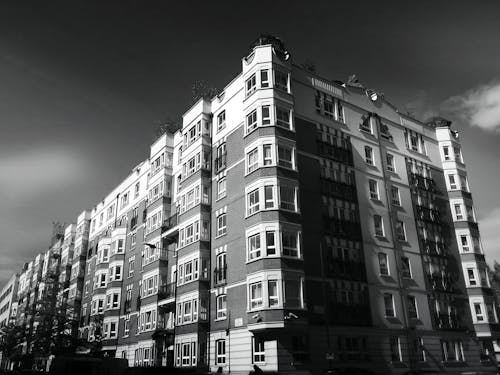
372,95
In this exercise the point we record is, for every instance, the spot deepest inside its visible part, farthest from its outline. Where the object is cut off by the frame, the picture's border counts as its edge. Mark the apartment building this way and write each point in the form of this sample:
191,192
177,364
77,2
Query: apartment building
293,223
8,311
331,237
481,295
8,301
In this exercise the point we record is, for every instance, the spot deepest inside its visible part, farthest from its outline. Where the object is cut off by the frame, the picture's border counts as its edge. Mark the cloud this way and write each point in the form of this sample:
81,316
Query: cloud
33,173
479,106
490,235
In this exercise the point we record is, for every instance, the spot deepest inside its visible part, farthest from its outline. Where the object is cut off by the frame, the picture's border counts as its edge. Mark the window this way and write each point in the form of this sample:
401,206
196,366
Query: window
120,247
471,276
379,225
250,85
458,154
389,305
464,243
131,266
252,160
285,156
256,295
290,244
283,117
400,231
293,292
264,78
463,183
266,114
395,199
269,202
300,348
453,183
446,152
272,292
253,202
221,120
412,307
220,355
254,246
251,121
395,347
221,188
369,155
267,154
221,224
405,267
458,212
287,198
390,163
373,187
383,264
259,353
270,242
366,124
221,307
419,349
479,312
136,190
452,350
281,80
385,133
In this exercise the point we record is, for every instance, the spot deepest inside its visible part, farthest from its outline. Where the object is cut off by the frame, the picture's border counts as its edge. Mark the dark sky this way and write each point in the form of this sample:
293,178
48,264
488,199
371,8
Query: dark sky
84,84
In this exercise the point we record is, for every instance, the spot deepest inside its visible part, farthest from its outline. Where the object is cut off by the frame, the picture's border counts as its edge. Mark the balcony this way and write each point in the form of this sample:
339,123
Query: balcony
422,182
447,321
333,152
166,291
428,214
339,269
220,275
342,228
158,254
441,283
434,248
220,163
338,189
169,222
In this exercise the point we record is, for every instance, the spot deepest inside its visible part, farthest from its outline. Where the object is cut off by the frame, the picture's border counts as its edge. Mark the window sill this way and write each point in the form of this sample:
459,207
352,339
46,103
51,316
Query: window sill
220,319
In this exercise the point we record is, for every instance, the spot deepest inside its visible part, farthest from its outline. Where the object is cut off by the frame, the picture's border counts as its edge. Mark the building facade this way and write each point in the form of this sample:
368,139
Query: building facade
293,223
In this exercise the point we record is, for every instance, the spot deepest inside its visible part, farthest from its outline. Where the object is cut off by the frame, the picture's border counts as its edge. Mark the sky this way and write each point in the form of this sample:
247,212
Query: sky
85,84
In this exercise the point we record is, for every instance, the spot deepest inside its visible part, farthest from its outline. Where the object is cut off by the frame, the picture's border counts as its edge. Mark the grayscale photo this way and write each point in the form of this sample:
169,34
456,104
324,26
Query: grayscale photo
249,187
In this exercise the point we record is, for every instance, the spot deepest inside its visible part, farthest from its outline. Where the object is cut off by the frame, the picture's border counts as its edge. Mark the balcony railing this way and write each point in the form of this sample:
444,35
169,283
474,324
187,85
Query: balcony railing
166,291
220,275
